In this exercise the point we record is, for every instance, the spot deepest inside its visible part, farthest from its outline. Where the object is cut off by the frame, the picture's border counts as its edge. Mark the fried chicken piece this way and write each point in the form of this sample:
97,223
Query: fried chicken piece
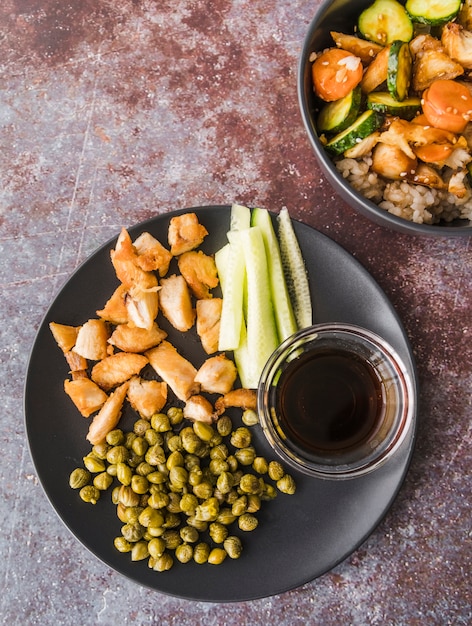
199,409
176,303
65,335
431,65
200,273
152,255
174,369
242,398
457,42
142,306
117,368
108,416
147,396
75,362
92,340
125,261
217,374
208,323
130,338
114,310
185,233
365,50
85,394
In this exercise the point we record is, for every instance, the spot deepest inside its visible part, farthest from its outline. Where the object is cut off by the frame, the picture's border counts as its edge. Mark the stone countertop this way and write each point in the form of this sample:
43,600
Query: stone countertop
114,112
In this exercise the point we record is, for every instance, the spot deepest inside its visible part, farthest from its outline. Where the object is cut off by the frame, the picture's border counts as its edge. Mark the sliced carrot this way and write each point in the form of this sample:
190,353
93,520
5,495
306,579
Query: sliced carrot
335,73
447,105
434,152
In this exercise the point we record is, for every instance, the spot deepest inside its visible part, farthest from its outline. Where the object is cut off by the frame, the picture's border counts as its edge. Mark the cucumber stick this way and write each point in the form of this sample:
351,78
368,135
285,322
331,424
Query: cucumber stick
295,271
284,316
232,273
261,329
240,217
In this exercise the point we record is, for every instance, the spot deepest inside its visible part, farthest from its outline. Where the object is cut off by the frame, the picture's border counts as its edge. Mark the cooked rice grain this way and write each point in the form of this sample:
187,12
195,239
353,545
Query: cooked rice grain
411,202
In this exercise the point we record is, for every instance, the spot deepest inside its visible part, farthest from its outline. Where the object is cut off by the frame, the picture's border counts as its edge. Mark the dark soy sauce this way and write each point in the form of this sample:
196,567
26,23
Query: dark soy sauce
329,401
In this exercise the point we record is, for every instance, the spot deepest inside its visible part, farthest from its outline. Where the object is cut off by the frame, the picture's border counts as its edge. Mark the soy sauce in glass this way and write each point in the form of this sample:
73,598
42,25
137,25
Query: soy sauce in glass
330,402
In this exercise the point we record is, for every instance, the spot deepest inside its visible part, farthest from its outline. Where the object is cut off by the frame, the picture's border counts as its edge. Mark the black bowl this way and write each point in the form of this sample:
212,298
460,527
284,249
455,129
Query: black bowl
341,16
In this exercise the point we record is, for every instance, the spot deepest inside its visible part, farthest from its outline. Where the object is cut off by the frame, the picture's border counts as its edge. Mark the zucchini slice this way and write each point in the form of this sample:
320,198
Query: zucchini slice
338,115
433,12
365,124
399,70
385,21
383,102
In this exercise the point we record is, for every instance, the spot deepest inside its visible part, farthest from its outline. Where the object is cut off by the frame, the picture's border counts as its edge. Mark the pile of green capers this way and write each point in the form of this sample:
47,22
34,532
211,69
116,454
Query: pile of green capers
181,486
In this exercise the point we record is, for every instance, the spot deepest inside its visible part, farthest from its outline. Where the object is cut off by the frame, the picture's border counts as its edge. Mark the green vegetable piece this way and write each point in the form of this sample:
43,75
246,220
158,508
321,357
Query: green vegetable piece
338,115
367,123
383,102
433,13
385,21
399,70
79,478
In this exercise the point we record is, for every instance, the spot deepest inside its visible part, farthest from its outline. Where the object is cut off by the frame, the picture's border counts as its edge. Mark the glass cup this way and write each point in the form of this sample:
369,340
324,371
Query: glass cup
335,401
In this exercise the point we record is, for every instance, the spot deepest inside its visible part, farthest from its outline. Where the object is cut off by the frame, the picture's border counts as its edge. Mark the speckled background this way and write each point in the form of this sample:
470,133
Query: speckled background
114,111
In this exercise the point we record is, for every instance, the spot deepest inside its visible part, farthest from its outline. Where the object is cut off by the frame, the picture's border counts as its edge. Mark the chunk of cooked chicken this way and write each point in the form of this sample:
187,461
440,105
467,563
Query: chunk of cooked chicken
87,396
115,310
391,162
147,396
200,273
241,398
176,303
125,261
457,42
423,42
108,416
427,176
152,255
376,73
465,15
185,233
404,135
130,338
363,147
174,369
75,362
117,368
92,340
456,184
142,306
217,374
208,323
431,65
65,335
199,409
365,50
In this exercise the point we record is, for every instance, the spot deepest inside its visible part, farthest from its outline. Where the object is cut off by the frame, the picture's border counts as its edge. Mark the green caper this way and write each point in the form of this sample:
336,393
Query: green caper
247,522
156,547
175,415
79,478
131,514
163,563
195,476
250,417
208,510
111,469
203,490
115,437
201,552
217,466
191,443
90,494
155,454
286,484
200,525
156,478
225,482
203,430
151,517
172,539
189,534
139,551
275,470
100,450
173,506
175,459
217,556
117,454
94,464
139,446
250,484
224,425
188,503
233,546
122,544
129,439
226,516
241,437
174,443
239,506
124,473
153,437
144,468
133,532
260,465
245,456
121,512
232,463
218,532
191,461
127,496
115,495
141,426
139,484
102,481
232,496
269,492
184,553
161,422
253,502
158,500
172,520
219,451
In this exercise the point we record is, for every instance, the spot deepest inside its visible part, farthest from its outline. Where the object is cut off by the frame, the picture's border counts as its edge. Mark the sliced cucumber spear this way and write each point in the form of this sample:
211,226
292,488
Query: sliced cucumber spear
295,271
284,316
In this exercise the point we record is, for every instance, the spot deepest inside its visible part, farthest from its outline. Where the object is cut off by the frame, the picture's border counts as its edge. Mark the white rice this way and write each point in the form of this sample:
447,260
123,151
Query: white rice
415,203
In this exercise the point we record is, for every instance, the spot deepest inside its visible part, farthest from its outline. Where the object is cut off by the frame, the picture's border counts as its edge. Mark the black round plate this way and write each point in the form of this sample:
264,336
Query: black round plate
299,537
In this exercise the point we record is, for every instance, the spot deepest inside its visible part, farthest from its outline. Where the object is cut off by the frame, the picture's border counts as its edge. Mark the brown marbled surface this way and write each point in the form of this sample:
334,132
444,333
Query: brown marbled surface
112,112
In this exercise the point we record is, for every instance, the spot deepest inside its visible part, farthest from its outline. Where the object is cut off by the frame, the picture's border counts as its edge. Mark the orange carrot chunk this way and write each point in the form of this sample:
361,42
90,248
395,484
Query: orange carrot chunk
335,73
447,105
